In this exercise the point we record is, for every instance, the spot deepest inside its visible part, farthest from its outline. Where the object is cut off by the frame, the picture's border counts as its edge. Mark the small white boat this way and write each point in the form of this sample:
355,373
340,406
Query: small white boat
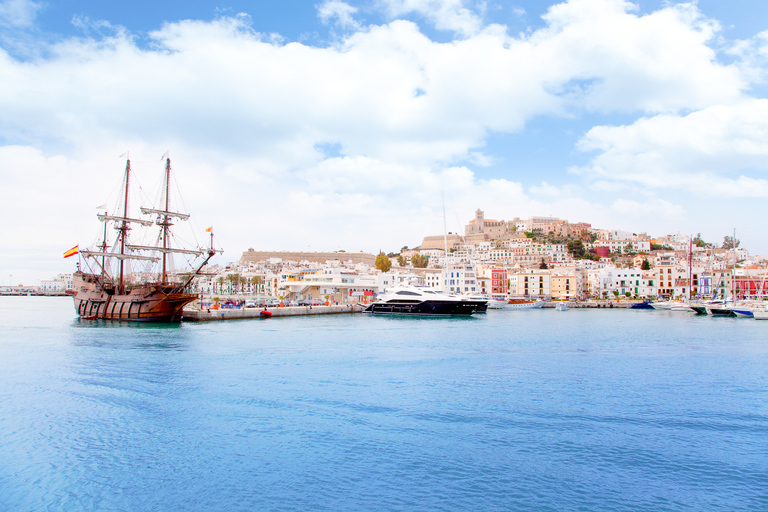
760,312
497,303
661,305
681,307
719,307
524,304
743,309
562,306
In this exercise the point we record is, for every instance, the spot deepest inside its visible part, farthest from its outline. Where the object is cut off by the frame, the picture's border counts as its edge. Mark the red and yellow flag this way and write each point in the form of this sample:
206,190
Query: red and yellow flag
72,251
208,230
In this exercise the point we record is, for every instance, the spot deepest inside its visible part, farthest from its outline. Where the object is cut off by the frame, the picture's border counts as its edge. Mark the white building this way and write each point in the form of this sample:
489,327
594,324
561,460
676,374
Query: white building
460,278
530,283
59,284
632,281
624,246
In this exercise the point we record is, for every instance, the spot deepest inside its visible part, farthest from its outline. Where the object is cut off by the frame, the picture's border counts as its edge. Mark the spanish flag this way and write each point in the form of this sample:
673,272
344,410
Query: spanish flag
208,230
72,251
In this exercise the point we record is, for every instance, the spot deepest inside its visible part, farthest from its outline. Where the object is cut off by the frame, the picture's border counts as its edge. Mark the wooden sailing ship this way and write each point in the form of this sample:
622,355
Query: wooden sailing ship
106,291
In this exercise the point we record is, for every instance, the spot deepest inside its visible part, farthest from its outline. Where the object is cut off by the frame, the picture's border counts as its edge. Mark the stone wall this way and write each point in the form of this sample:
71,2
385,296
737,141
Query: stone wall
318,257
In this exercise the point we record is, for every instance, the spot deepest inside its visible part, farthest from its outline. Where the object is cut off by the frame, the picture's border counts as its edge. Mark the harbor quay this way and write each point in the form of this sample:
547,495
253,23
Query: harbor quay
195,314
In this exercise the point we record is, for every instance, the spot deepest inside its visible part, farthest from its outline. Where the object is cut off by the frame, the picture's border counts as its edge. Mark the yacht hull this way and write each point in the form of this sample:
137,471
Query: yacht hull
427,307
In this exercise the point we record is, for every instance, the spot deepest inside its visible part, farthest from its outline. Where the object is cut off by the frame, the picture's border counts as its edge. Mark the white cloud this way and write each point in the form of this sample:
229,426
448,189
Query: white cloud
609,59
550,190
452,15
342,12
18,13
706,152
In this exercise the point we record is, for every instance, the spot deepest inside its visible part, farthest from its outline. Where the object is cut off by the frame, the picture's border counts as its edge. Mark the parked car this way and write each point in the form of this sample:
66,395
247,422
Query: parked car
251,303
273,303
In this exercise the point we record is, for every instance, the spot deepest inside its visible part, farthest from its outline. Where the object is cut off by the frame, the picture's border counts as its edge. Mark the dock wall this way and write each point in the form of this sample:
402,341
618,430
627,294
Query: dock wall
210,314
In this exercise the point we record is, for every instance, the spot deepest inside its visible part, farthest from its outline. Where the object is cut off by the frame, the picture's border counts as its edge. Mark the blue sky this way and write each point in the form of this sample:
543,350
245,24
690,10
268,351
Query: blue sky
329,124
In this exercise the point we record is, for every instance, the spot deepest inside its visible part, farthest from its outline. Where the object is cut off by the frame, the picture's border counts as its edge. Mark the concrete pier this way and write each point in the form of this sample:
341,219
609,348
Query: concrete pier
594,304
195,314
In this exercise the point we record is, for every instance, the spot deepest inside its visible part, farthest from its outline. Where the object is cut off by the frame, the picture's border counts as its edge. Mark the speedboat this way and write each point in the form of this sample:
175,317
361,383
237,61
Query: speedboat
561,306
406,299
497,303
681,307
699,307
661,305
742,309
719,308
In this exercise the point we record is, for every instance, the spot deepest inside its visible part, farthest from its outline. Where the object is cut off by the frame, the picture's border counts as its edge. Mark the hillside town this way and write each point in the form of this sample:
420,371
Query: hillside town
537,258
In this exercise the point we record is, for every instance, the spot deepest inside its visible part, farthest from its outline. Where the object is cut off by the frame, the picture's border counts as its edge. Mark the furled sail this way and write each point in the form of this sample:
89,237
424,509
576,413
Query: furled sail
149,211
100,254
103,217
163,249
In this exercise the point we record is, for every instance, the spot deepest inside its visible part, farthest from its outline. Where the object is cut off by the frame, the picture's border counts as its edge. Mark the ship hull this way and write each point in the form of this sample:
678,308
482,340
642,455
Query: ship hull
150,302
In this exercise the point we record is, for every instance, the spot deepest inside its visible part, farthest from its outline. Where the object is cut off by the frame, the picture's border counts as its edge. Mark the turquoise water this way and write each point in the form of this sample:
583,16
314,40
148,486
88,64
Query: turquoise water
527,410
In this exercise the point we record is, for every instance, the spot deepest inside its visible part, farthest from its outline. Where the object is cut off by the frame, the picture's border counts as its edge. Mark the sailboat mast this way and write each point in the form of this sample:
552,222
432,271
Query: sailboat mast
445,234
690,267
733,270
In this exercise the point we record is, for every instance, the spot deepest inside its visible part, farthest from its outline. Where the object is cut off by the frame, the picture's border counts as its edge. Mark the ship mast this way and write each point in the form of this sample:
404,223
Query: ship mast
166,223
104,255
124,228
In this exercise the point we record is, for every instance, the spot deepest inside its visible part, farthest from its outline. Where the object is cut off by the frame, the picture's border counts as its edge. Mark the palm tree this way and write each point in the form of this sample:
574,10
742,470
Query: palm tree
256,281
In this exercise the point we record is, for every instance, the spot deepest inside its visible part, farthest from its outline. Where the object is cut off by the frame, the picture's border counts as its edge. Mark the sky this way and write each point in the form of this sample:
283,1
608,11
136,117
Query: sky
333,125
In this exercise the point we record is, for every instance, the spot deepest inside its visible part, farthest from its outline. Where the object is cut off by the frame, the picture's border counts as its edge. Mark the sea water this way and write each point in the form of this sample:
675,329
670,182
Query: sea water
510,410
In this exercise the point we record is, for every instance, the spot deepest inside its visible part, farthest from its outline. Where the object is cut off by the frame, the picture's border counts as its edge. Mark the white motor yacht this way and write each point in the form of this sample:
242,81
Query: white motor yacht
406,299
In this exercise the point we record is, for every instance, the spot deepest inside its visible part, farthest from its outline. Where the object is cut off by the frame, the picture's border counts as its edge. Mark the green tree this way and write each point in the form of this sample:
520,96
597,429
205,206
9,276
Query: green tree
645,265
543,264
383,262
419,261
529,234
235,280
730,242
576,247
699,242
401,260
256,282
